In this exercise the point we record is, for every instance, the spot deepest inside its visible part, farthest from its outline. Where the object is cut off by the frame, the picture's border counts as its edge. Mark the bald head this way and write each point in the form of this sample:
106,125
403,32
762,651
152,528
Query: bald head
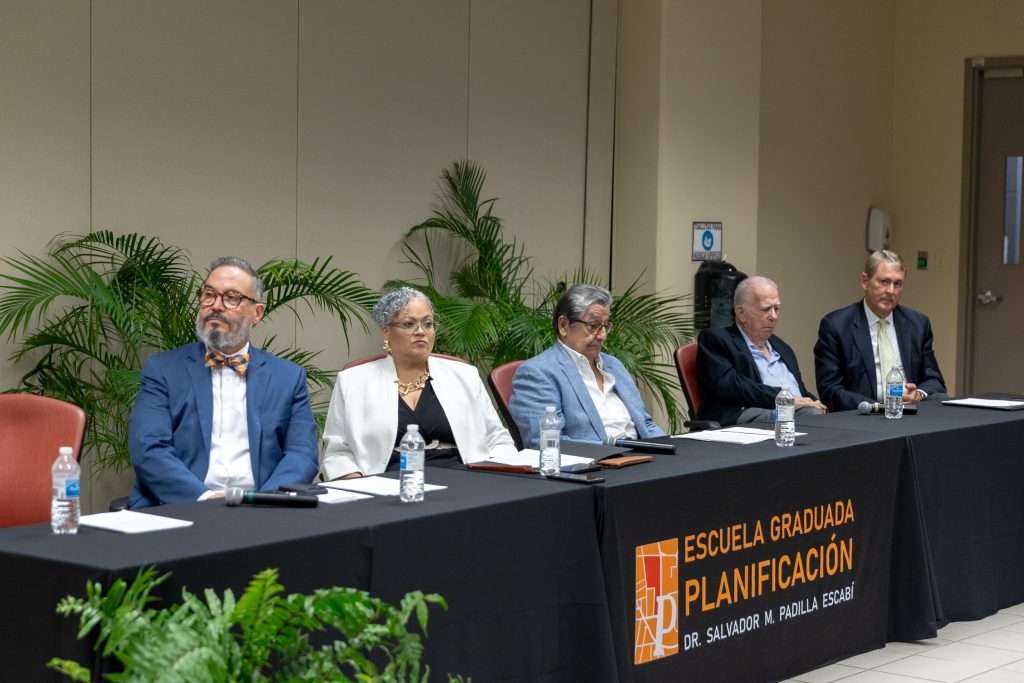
757,308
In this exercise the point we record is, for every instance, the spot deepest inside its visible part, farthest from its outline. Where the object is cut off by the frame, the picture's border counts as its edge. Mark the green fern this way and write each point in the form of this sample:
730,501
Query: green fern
264,636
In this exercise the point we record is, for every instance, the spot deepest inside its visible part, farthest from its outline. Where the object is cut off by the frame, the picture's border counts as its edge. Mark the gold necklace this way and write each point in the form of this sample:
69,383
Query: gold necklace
415,385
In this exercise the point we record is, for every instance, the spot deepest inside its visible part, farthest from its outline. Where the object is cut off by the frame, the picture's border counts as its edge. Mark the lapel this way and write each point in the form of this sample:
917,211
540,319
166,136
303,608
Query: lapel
202,390
257,378
742,352
903,340
385,384
862,339
572,374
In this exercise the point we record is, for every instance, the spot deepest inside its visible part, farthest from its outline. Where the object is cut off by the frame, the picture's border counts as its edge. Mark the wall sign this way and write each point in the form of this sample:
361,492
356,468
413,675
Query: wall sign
707,241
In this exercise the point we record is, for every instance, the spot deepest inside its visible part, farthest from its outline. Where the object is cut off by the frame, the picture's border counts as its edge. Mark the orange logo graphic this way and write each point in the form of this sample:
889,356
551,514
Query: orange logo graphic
657,600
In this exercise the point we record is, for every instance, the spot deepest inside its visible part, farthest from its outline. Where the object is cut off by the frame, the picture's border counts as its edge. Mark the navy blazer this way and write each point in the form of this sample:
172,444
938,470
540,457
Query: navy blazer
728,377
844,363
552,379
170,425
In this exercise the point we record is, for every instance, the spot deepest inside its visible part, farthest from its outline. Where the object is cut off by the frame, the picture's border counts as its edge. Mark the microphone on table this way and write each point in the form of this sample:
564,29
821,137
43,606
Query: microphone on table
866,408
235,496
622,442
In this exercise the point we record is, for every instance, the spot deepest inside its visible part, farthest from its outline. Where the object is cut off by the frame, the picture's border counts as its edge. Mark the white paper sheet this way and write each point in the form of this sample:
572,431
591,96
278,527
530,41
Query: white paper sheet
531,457
129,522
738,435
1001,404
340,496
376,486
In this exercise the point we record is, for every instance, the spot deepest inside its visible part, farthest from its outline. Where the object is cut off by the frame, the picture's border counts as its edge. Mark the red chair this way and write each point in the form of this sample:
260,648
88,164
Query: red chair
686,367
32,429
500,381
370,359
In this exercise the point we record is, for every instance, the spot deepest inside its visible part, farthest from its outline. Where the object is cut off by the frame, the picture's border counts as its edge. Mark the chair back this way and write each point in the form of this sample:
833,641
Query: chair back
378,356
32,429
500,381
686,366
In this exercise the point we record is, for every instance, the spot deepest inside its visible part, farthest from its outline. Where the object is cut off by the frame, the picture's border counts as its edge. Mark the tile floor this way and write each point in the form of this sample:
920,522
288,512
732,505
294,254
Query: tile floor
990,650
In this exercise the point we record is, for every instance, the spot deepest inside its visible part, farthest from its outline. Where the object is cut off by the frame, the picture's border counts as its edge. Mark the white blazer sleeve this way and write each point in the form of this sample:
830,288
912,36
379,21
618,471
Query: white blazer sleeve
362,421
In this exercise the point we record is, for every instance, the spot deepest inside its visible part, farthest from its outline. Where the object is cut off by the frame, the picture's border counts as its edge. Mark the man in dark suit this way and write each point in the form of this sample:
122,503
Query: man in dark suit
741,368
220,413
848,362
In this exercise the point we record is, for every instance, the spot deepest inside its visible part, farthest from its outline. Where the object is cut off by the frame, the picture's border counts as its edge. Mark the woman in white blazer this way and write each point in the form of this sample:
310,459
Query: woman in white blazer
373,403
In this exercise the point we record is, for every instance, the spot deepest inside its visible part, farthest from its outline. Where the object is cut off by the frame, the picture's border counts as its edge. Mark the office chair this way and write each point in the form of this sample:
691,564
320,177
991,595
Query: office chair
686,367
500,381
32,429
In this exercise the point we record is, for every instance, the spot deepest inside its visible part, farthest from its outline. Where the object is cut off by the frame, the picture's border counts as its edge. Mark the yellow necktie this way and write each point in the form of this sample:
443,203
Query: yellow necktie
886,357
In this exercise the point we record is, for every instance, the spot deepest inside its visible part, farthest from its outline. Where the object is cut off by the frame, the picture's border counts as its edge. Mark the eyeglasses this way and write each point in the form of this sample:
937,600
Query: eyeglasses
231,299
594,328
411,325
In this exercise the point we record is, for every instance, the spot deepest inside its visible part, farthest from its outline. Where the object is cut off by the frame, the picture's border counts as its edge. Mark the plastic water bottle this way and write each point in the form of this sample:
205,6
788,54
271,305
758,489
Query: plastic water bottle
410,483
64,506
550,443
894,393
785,427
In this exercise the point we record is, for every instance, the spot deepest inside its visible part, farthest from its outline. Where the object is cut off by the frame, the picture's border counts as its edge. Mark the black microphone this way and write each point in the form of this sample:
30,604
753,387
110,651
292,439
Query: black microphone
640,445
866,408
235,496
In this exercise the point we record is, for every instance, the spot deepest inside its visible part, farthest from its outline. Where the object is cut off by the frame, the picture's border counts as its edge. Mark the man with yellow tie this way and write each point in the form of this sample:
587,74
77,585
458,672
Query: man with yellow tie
220,413
859,344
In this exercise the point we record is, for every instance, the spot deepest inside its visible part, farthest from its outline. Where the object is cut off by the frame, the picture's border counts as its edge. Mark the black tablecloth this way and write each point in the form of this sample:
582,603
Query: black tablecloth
542,576
711,487
517,560
964,476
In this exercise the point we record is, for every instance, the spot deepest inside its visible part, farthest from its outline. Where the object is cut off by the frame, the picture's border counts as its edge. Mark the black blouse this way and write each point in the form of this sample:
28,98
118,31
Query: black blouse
433,423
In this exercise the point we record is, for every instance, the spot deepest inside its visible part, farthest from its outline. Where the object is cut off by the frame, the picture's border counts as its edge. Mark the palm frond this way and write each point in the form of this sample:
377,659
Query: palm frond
97,305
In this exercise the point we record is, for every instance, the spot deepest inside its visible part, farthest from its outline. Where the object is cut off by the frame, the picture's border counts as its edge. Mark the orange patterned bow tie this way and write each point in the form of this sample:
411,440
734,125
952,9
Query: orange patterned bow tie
238,362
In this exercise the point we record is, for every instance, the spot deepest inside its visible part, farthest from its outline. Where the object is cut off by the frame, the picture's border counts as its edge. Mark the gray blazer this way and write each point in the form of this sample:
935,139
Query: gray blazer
551,379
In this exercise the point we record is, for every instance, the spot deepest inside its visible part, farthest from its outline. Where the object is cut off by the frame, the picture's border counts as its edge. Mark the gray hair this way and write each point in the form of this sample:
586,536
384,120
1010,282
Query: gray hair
577,300
744,295
242,264
877,258
395,301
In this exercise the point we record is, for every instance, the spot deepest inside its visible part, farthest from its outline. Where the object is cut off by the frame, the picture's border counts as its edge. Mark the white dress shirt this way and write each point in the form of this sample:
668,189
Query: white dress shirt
230,463
614,414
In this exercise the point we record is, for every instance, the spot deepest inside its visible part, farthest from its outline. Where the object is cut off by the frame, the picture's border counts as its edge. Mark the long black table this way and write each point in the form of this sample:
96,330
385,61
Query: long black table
959,540
553,581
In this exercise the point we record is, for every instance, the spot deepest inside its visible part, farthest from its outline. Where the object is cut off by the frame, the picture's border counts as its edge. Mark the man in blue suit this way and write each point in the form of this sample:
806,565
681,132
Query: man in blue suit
740,368
592,392
220,413
847,362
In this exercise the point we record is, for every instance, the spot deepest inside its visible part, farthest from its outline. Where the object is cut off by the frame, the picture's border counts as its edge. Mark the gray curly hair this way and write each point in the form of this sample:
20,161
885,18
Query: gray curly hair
395,301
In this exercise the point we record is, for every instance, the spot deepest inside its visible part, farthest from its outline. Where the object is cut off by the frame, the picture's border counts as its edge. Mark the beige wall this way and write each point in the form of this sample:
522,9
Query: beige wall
826,154
933,41
316,127
305,128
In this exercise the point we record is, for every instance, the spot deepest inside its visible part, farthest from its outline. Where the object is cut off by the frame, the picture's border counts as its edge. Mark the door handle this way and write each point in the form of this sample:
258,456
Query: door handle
987,296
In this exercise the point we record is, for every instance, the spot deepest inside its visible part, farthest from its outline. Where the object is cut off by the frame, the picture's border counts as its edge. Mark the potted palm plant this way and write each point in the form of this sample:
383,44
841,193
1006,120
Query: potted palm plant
493,310
98,305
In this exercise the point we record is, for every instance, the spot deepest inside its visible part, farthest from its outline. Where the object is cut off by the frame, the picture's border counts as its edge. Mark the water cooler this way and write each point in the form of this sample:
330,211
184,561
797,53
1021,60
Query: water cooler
714,285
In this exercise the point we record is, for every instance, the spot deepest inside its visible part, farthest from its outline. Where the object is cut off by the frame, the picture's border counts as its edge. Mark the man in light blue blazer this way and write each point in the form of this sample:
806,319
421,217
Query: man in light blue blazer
220,413
592,392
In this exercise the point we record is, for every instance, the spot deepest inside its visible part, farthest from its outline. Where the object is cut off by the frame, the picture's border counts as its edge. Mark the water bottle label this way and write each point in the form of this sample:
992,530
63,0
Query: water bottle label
405,460
71,489
895,391
784,413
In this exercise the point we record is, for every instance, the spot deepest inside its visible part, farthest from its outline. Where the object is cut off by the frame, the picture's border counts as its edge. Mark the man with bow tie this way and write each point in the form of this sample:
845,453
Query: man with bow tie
220,413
